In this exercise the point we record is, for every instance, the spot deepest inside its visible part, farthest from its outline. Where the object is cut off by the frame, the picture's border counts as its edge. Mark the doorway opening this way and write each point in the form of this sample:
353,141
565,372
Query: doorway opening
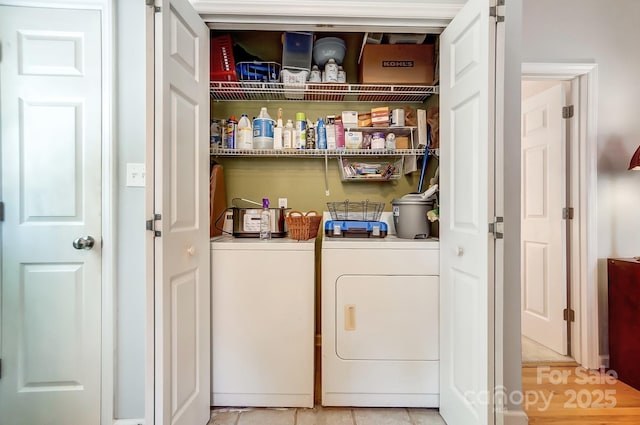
546,142
559,259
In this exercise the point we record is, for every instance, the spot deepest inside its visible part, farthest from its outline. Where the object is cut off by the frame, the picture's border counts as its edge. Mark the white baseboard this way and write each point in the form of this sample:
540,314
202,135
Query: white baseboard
604,361
128,422
513,417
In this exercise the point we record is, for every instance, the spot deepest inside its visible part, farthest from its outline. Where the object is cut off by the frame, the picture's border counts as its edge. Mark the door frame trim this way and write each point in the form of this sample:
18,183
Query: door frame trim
584,195
109,210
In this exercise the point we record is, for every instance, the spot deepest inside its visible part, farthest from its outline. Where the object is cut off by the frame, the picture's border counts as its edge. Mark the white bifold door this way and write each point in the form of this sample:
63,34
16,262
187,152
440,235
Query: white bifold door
467,129
51,174
181,203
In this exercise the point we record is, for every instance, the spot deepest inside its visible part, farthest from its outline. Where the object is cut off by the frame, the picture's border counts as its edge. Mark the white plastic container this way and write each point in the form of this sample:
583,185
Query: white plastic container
263,130
316,75
287,135
294,82
277,135
245,133
331,71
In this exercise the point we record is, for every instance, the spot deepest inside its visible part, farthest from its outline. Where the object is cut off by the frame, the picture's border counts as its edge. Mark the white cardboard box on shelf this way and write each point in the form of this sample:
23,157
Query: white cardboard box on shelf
422,128
349,119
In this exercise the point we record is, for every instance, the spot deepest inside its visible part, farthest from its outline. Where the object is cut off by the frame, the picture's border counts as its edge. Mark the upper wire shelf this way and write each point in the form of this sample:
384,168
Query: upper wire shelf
322,92
314,153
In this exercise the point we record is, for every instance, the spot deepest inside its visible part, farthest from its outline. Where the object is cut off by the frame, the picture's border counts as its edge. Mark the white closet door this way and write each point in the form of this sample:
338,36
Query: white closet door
467,79
182,307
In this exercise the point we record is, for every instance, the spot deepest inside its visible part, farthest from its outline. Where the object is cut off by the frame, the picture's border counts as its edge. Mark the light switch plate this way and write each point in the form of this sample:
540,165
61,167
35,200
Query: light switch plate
135,175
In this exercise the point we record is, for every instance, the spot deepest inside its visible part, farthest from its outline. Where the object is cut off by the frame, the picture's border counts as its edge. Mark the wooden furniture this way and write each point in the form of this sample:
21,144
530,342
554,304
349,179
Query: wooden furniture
624,319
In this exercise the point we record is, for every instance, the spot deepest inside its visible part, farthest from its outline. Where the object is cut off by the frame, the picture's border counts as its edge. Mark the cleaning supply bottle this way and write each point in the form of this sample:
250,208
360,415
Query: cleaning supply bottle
321,134
245,133
300,135
265,220
263,130
311,136
339,134
277,131
231,132
287,135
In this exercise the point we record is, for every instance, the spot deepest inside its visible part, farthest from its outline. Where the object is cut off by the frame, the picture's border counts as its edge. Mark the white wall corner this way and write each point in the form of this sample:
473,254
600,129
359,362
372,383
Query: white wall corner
128,422
515,417
604,361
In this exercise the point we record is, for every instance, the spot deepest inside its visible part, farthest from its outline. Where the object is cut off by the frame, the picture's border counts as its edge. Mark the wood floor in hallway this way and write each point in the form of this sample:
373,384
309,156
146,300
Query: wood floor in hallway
571,395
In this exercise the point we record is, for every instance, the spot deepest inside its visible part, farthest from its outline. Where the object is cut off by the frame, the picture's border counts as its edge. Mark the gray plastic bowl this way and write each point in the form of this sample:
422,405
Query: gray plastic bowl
329,48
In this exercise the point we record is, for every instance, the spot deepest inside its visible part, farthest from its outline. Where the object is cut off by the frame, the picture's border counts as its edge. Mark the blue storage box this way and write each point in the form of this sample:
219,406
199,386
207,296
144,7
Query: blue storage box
258,71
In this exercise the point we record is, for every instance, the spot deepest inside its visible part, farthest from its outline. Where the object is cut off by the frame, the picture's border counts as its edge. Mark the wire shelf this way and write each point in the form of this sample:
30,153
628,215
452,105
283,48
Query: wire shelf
270,91
315,153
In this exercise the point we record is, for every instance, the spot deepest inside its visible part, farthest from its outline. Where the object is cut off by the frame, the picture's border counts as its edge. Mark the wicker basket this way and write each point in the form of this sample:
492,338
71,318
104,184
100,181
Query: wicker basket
303,226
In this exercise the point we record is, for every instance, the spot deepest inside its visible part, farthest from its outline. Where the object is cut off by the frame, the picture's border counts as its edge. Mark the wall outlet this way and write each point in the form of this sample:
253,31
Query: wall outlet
282,203
135,175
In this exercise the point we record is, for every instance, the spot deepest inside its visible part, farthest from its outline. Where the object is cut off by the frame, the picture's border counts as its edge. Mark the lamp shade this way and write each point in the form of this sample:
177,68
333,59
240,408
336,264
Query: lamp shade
635,160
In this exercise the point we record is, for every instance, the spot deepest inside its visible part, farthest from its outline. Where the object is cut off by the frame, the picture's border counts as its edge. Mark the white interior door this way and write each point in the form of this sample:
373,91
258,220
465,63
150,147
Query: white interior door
181,180
50,78
467,75
543,231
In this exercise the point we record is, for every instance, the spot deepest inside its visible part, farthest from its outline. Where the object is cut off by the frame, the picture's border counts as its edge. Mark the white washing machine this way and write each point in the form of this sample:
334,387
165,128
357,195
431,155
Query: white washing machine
263,322
380,315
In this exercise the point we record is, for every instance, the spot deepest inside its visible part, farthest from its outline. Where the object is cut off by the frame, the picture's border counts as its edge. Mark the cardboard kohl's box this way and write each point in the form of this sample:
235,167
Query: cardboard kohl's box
397,64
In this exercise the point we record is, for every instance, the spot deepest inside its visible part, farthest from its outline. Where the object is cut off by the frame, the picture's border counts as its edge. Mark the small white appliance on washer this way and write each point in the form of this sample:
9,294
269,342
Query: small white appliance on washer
263,322
380,315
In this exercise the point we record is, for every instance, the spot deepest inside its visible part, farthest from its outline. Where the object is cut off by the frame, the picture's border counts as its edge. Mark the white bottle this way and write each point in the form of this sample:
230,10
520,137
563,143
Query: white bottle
277,132
342,75
315,76
245,133
263,130
331,71
265,220
287,135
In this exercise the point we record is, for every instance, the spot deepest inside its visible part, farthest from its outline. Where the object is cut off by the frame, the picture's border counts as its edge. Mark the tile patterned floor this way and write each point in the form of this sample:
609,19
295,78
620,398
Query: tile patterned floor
325,416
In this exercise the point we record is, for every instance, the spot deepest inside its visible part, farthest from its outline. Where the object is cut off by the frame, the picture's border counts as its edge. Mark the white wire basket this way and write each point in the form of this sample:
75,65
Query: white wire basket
355,211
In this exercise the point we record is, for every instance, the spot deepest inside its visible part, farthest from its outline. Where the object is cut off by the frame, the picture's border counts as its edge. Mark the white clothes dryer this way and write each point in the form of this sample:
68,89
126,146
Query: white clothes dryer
380,315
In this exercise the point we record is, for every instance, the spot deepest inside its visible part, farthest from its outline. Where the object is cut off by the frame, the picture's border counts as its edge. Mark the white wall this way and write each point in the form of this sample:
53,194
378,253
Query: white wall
130,252
605,33
510,338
